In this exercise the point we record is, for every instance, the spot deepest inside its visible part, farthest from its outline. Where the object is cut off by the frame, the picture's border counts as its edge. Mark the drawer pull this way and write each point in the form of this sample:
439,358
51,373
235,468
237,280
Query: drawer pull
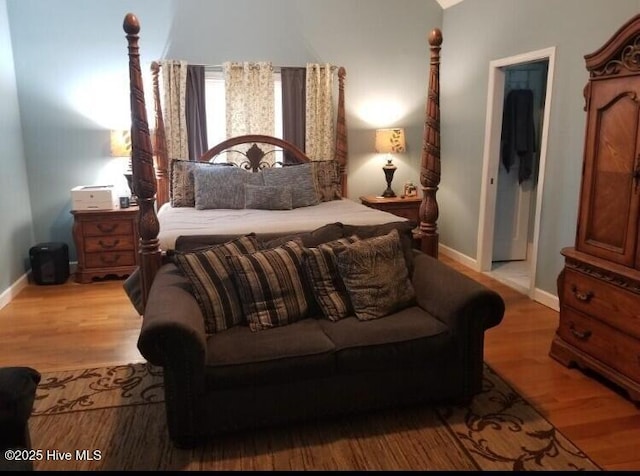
104,228
584,296
113,260
109,245
582,335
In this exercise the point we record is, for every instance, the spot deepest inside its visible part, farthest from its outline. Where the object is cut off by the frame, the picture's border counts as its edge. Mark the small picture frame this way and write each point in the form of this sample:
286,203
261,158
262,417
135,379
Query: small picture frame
410,190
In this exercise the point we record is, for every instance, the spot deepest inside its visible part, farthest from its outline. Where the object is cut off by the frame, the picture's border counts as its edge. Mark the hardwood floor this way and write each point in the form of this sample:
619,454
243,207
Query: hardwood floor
74,326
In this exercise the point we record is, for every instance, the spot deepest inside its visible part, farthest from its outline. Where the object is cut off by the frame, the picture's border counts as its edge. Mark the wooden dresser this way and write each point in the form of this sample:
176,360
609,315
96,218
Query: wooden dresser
106,242
599,287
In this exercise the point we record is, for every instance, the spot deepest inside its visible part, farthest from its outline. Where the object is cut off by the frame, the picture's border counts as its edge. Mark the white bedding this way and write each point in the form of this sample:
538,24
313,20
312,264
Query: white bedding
175,222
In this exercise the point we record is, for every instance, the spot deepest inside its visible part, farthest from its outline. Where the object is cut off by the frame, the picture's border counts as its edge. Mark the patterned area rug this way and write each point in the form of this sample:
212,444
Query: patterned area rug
113,419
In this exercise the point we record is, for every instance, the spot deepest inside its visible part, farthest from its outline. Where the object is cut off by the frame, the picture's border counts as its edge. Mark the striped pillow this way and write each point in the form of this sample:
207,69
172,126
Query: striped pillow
210,275
271,285
322,273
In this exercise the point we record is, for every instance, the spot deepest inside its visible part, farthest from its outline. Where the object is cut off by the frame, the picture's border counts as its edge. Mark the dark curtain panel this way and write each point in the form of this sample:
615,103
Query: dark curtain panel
293,107
196,113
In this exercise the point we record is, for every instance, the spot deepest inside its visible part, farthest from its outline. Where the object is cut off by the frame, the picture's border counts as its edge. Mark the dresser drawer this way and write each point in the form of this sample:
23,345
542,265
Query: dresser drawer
600,299
616,349
107,227
95,244
109,259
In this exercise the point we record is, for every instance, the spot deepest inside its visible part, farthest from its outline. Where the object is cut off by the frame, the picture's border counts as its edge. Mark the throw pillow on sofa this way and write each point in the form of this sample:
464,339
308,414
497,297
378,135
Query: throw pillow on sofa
325,281
375,275
271,285
210,275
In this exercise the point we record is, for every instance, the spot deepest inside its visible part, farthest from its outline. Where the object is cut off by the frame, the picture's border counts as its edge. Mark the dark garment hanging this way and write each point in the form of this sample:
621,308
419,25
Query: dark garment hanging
518,132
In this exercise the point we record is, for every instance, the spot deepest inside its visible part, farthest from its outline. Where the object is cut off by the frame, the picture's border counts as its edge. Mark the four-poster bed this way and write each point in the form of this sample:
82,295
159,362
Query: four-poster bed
151,166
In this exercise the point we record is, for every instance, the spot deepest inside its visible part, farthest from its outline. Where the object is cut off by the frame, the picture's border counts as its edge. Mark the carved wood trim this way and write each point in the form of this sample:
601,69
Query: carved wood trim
144,180
430,163
605,275
619,55
342,153
160,145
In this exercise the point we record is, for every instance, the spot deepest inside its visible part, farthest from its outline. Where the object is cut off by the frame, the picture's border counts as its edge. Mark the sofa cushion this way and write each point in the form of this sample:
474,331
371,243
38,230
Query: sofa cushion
210,275
406,339
310,239
240,357
325,281
405,230
271,285
375,275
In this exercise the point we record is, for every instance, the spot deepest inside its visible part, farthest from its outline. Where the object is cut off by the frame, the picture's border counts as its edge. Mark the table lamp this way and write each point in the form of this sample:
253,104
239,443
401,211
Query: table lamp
390,141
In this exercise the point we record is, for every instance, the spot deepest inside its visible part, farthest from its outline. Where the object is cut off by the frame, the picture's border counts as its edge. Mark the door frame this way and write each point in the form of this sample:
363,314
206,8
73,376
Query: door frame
491,156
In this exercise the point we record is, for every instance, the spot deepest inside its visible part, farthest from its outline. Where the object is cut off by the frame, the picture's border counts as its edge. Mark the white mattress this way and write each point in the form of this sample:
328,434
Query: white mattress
175,222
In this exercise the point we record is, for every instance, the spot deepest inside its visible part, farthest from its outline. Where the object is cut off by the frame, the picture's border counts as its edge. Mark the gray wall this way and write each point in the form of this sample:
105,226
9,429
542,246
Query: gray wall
70,64
16,230
477,32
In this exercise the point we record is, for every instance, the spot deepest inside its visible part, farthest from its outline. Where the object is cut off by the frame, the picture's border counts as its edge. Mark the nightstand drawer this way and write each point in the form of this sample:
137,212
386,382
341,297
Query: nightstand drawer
107,227
598,298
108,243
616,349
109,259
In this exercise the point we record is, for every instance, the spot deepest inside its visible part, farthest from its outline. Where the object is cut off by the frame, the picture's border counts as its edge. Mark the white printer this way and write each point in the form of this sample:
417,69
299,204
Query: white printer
94,197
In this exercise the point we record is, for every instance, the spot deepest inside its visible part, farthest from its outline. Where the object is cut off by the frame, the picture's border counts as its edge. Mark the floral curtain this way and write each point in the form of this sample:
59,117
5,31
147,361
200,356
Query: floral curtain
320,133
174,85
249,102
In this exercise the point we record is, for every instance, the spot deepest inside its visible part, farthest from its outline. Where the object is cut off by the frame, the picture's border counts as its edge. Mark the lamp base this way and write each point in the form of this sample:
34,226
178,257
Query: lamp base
389,169
388,193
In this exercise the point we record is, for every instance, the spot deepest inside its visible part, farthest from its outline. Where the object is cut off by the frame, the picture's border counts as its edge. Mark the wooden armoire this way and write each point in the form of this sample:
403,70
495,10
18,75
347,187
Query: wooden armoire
599,287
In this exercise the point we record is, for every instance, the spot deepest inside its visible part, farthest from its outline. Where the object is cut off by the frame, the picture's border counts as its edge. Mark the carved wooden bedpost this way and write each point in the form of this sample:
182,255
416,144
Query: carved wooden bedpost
160,140
341,154
430,164
144,181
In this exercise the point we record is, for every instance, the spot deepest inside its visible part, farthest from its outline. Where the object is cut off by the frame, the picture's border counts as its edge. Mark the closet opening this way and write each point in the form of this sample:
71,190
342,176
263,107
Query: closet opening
515,152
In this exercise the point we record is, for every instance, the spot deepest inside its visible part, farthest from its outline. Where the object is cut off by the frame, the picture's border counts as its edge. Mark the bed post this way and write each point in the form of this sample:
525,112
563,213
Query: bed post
160,142
341,154
144,181
430,163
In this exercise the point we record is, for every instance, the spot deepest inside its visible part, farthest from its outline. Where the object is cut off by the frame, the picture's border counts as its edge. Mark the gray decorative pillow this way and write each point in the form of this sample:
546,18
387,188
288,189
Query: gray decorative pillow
181,181
326,174
375,275
210,275
264,197
299,178
221,187
271,286
327,285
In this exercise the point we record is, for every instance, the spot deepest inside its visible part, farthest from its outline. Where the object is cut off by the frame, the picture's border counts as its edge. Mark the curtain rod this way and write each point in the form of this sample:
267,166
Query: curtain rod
219,67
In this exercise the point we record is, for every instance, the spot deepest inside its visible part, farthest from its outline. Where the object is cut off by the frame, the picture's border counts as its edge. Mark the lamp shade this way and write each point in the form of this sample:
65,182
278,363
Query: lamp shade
121,143
390,141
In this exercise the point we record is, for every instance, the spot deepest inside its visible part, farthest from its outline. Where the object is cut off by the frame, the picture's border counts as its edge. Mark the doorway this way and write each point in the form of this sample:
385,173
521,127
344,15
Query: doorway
510,200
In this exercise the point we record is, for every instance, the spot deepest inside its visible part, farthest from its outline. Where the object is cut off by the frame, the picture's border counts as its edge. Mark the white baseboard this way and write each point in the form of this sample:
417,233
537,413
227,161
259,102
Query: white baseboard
13,290
547,299
459,257
543,297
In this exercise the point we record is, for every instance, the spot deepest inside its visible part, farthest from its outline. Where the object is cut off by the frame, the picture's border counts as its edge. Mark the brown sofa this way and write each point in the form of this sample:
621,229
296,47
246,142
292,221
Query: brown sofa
431,351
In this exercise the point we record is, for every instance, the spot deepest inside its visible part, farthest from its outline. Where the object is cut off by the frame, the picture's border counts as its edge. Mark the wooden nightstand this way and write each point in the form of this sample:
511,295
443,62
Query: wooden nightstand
407,207
106,242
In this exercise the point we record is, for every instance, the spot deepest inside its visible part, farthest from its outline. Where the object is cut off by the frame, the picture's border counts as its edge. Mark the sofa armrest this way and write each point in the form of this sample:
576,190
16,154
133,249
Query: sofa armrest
173,326
453,297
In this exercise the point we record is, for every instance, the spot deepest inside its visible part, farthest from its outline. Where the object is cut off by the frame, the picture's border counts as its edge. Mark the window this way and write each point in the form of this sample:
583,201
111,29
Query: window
215,106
